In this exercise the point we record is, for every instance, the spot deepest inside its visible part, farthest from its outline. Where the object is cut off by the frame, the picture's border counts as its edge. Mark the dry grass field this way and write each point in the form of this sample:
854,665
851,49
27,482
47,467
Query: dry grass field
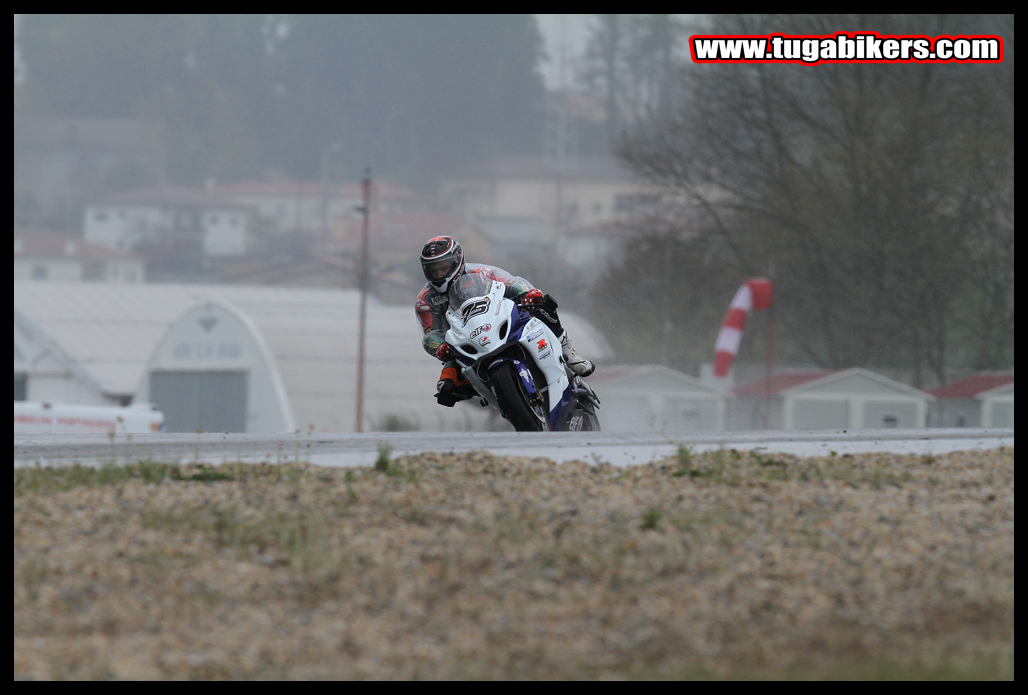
725,565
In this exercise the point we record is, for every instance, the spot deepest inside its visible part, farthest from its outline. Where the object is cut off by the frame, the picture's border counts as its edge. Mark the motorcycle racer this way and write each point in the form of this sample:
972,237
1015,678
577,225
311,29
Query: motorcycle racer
442,260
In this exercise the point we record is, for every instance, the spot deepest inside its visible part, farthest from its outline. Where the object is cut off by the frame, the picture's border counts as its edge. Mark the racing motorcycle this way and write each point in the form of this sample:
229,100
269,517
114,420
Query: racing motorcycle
514,360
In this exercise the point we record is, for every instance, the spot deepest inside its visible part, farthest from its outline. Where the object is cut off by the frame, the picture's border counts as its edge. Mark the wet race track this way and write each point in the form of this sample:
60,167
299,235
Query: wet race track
341,450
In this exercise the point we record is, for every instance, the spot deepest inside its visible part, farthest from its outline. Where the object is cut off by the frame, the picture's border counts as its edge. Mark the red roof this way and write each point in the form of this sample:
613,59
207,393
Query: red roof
409,230
779,383
50,246
614,371
973,385
285,188
169,195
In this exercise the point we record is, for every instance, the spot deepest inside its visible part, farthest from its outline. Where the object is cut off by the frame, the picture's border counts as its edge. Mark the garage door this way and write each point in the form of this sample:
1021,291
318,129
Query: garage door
878,414
1002,415
205,401
625,413
682,414
820,415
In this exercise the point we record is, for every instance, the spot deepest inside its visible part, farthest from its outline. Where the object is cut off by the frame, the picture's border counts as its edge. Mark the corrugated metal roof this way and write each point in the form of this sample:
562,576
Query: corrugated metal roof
973,385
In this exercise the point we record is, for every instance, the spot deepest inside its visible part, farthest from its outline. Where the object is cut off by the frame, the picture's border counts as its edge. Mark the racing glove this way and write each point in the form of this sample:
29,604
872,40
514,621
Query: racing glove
444,352
533,299
539,304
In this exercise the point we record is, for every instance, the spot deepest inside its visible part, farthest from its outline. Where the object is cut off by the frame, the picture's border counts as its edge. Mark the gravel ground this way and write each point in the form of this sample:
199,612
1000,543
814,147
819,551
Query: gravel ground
725,565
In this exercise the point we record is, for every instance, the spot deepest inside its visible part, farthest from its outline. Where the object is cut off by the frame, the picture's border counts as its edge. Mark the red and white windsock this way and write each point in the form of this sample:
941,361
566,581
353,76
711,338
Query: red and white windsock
754,294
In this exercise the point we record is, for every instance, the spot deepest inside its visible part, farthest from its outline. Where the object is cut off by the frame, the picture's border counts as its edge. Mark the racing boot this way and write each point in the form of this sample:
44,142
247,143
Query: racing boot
453,387
578,364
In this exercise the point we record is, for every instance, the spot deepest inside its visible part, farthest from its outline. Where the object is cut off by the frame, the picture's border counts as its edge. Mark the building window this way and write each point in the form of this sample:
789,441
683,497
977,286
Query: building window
634,202
187,221
214,218
21,386
100,216
93,270
40,272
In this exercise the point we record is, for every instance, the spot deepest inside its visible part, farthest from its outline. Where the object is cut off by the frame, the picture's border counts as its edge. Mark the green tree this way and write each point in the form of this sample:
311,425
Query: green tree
415,95
202,75
629,57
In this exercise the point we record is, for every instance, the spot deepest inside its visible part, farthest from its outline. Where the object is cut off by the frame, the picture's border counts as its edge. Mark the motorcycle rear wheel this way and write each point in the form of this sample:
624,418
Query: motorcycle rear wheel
515,403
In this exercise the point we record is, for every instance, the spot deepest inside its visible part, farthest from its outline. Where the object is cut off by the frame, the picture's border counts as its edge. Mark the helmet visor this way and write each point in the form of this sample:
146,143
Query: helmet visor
436,271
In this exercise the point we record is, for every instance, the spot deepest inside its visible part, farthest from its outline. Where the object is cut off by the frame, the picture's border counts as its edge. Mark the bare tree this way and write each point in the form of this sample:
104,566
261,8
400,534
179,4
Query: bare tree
878,191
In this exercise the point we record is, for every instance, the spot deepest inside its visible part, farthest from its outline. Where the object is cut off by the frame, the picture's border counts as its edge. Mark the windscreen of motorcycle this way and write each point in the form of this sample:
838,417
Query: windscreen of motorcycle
468,286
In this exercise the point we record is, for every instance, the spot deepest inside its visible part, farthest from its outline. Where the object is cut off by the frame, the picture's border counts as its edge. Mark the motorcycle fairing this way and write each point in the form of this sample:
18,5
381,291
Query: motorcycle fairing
523,371
563,409
539,356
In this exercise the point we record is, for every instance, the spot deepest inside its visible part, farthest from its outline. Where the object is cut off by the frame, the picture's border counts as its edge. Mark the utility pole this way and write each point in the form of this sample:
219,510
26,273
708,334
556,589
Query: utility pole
366,209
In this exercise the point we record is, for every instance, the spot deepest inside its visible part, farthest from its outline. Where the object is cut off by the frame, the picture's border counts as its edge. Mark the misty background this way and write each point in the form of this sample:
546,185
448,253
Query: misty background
586,153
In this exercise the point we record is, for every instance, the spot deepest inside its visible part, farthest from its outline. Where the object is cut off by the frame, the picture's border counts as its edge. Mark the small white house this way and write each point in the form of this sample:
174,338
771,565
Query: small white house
152,215
849,399
317,207
980,400
575,192
654,398
39,256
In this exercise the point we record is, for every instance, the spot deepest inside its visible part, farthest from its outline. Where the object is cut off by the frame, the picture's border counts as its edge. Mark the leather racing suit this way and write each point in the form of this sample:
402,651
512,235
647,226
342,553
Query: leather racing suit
430,309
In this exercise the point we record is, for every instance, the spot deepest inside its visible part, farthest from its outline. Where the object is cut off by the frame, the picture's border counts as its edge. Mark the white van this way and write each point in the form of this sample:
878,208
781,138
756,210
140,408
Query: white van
62,417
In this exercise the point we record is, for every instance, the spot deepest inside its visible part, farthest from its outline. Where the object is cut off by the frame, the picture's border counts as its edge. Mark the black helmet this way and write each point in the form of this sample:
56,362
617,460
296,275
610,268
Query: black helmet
442,260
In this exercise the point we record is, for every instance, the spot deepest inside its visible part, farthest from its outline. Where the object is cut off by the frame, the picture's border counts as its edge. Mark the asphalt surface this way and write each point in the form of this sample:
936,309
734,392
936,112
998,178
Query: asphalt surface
340,450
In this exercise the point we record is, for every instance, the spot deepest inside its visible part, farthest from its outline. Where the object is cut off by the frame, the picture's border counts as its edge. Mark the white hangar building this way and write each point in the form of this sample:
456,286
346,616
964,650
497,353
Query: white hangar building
51,372
654,398
818,400
236,358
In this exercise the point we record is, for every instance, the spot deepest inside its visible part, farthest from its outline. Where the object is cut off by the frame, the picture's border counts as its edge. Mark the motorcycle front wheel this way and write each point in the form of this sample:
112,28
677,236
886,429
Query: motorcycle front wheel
584,421
515,403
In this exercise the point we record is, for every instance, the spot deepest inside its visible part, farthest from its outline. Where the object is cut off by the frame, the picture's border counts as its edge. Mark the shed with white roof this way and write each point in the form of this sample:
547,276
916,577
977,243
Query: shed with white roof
654,398
814,400
980,400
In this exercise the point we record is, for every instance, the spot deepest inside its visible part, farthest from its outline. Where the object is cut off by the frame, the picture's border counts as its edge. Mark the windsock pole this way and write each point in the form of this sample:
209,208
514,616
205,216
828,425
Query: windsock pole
767,368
